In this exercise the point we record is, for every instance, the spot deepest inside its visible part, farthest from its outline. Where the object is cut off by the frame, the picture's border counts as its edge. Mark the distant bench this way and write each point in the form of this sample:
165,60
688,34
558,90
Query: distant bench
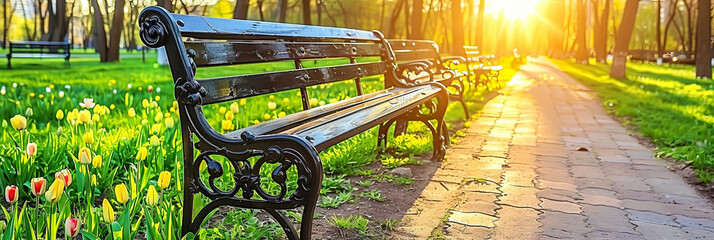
38,49
484,68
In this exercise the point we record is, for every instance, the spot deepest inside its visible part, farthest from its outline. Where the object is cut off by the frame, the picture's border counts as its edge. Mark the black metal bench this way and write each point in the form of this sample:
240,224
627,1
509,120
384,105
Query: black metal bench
38,49
444,69
484,69
290,142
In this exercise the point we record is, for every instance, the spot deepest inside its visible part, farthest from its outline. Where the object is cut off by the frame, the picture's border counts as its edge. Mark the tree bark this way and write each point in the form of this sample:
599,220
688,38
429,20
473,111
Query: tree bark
479,25
600,33
58,21
391,30
417,7
703,53
557,29
241,9
282,10
168,4
110,52
624,33
306,12
457,30
581,56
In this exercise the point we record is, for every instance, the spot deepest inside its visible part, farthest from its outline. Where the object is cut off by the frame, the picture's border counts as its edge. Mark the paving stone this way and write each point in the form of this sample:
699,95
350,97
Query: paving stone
435,191
652,206
525,178
559,195
628,183
588,172
557,185
519,197
608,218
672,186
560,206
583,183
699,223
563,225
478,202
600,200
656,231
651,217
604,234
512,218
461,232
471,219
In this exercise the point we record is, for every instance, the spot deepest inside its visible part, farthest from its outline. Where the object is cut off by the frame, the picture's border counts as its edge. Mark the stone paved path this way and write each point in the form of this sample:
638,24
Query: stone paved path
545,161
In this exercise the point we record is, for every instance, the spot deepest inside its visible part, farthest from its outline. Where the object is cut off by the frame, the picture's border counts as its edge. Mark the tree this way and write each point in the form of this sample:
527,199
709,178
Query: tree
417,7
704,18
108,52
58,20
479,23
168,4
306,12
624,33
601,18
581,56
241,9
7,11
555,18
457,30
391,29
281,10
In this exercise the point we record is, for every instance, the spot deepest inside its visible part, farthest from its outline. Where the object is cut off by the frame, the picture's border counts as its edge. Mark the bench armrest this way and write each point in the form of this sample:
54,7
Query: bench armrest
415,68
449,61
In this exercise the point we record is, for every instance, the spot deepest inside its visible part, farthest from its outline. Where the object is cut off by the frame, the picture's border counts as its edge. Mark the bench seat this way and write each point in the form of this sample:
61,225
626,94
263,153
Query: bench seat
328,124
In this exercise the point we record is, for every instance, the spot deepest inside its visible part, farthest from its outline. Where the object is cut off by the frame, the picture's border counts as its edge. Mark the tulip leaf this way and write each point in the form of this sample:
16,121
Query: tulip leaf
88,235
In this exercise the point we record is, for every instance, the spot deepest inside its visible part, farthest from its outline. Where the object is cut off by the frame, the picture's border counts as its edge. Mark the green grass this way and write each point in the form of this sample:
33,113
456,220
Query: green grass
665,103
354,221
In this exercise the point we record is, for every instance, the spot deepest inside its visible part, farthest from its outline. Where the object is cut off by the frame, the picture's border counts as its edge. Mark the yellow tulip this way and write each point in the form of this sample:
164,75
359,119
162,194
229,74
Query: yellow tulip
107,212
59,115
72,115
156,128
54,193
158,117
112,107
234,107
333,100
85,116
145,103
19,122
281,114
122,193
272,97
229,115
97,161
131,112
272,105
85,156
154,141
286,101
152,197
88,137
169,122
157,98
266,116
174,104
164,179
95,117
313,102
243,102
227,125
222,110
141,155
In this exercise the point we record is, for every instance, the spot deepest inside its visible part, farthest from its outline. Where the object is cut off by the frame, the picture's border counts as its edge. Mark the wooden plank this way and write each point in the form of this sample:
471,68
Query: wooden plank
222,28
236,52
234,87
418,54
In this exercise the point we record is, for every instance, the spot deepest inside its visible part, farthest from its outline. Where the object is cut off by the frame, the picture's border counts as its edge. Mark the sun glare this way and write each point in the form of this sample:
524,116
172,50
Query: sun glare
512,9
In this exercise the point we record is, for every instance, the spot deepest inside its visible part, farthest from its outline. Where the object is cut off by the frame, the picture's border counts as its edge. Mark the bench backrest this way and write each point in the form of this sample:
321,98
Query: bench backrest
40,47
415,50
474,55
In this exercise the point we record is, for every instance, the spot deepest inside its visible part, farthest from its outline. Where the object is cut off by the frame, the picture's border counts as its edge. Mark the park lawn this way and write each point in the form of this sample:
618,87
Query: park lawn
39,89
666,104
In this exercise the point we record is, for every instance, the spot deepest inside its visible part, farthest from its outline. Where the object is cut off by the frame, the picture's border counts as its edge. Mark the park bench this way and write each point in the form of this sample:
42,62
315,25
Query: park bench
484,69
290,142
444,69
38,49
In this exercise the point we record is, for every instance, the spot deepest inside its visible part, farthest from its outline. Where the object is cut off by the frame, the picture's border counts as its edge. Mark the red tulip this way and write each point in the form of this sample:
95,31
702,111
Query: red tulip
150,88
65,175
38,186
71,227
11,194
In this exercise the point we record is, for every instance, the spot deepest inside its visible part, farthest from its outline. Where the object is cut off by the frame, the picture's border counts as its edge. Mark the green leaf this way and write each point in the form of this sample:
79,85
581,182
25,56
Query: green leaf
88,235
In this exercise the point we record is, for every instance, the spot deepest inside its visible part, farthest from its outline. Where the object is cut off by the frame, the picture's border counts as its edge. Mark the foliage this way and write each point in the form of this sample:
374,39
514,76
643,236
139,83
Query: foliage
354,221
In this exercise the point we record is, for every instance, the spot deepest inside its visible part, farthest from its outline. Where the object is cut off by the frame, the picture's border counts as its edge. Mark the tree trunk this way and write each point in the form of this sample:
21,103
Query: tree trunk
658,31
241,9
115,32
417,8
306,12
581,56
703,53
624,33
101,35
282,10
168,4
391,30
600,33
557,29
479,24
457,28
59,23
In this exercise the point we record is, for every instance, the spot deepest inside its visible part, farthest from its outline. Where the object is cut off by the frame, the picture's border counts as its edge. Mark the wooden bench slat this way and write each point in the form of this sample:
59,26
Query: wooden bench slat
403,56
212,28
226,53
234,87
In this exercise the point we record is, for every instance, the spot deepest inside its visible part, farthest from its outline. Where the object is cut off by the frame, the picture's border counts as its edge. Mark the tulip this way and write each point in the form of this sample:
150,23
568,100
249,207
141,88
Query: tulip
107,212
227,125
286,101
61,94
234,108
97,161
38,186
152,197
272,105
29,112
65,176
141,154
229,115
121,193
131,113
145,103
164,179
11,194
158,117
222,110
169,122
321,103
85,116
31,149
59,131
281,114
88,137
313,102
242,102
87,103
95,117
59,115
54,193
150,88
154,141
85,156
18,122
71,228
266,116
272,97
2,91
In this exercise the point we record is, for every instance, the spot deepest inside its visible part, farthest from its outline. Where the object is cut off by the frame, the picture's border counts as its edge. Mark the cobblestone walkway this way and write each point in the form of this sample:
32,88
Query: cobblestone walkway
545,161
